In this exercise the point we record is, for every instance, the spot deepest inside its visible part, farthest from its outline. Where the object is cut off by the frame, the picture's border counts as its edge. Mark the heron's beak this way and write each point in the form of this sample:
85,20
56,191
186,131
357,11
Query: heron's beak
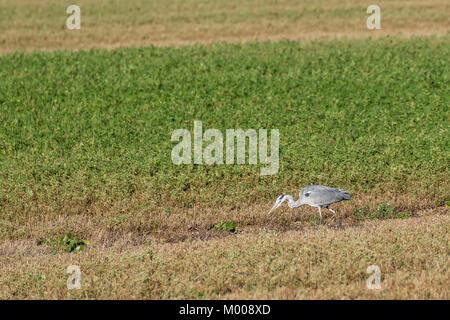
273,208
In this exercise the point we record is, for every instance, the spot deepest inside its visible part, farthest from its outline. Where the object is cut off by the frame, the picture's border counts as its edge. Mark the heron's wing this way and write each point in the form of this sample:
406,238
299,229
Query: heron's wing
322,195
315,188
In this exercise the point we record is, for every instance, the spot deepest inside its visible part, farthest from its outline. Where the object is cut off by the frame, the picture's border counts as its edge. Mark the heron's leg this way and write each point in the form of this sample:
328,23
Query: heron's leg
320,214
337,218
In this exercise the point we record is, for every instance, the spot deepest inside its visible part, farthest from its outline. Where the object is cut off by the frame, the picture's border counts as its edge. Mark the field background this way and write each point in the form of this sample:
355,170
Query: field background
85,149
41,24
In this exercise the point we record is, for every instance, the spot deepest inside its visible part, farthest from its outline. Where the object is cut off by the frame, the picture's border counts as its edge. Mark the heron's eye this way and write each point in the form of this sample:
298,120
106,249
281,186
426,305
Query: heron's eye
281,197
307,194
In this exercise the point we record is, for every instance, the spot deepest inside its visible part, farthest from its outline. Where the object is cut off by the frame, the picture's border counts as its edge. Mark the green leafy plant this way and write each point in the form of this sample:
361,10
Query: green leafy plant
384,211
403,215
72,243
225,226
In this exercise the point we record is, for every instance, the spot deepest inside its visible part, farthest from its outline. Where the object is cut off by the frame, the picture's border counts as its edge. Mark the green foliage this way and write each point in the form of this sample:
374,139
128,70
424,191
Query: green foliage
365,115
361,213
314,220
381,211
72,243
225,226
403,215
118,221
444,201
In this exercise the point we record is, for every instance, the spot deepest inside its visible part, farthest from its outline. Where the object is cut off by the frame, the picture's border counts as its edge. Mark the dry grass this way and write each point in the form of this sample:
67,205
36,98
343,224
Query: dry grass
296,264
176,255
30,25
138,218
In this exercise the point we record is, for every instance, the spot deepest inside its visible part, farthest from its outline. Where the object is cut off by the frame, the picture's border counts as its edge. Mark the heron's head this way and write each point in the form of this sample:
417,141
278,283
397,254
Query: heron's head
278,202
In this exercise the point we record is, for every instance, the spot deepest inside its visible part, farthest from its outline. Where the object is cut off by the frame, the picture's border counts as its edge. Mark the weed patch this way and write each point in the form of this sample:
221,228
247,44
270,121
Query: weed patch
225,226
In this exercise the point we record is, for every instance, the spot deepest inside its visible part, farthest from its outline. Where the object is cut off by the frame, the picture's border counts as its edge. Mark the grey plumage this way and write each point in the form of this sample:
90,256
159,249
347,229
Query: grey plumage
322,196
315,196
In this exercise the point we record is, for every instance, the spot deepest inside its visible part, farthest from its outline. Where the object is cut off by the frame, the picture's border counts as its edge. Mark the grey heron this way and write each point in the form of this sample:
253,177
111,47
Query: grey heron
315,196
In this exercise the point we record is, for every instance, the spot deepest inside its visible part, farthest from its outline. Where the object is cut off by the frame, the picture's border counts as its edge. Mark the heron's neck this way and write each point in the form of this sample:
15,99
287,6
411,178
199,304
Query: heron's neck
292,203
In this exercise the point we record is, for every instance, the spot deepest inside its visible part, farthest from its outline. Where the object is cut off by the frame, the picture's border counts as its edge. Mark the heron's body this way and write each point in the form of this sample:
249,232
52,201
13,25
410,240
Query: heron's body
315,196
322,196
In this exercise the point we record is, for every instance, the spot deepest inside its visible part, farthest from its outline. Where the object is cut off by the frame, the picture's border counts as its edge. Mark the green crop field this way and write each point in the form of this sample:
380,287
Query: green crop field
370,116
87,178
